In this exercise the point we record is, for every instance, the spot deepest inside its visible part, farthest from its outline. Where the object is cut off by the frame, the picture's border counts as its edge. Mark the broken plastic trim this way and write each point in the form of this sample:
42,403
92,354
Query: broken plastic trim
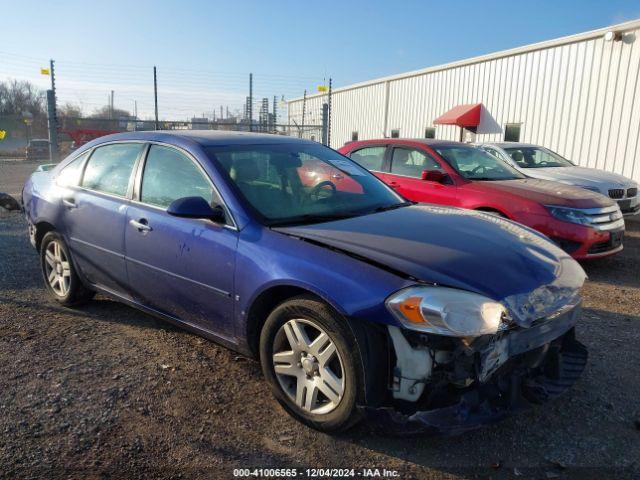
513,392
510,344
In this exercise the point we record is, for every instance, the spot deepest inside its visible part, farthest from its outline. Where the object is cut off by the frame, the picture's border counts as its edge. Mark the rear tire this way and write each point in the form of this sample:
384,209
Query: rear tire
59,273
320,392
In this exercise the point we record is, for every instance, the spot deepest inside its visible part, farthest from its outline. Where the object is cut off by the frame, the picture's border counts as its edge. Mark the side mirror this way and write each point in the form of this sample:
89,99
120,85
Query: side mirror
196,207
433,176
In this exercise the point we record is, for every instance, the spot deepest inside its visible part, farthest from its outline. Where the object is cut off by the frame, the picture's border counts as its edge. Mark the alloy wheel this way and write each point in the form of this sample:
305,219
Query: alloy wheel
57,268
308,366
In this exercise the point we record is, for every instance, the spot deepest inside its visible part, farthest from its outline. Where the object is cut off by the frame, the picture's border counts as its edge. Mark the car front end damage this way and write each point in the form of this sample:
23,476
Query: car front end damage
464,383
461,360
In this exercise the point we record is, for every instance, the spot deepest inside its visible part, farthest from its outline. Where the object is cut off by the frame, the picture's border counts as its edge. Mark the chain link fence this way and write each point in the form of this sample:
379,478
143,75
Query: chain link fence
74,132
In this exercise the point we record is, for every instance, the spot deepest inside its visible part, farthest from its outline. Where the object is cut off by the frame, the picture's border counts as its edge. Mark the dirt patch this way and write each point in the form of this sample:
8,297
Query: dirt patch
107,391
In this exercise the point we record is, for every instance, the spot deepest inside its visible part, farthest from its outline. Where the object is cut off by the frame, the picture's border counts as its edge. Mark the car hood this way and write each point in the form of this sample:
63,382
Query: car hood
462,249
547,193
586,177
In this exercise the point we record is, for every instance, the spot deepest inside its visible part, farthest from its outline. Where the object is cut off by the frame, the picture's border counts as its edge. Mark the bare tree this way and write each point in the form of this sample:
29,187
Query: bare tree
105,112
70,110
18,97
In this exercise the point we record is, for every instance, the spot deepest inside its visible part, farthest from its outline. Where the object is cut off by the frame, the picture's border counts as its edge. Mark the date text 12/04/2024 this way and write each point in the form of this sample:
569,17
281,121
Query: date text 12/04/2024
316,473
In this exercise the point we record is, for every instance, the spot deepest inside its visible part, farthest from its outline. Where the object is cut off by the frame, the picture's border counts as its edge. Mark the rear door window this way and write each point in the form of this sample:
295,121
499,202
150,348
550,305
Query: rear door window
371,158
109,168
410,162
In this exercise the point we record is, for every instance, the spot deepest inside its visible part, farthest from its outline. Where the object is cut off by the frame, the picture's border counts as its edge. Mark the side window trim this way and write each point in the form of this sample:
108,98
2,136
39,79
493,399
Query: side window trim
139,173
504,156
92,151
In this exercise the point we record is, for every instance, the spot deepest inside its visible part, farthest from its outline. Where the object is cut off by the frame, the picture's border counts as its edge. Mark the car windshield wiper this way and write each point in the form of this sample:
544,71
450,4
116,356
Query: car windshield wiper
385,208
311,218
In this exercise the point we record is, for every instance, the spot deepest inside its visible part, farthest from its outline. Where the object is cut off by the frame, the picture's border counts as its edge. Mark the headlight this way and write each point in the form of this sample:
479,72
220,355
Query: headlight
447,311
569,215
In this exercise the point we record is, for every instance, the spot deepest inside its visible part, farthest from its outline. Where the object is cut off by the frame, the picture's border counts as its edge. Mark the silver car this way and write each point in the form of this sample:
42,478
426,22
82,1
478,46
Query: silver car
539,162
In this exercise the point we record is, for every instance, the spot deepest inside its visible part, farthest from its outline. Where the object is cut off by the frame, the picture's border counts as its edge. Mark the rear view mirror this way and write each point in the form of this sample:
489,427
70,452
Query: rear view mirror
196,207
433,176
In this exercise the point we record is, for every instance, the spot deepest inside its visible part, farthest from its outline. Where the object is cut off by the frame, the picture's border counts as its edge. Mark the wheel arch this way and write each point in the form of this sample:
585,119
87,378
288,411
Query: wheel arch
269,298
373,343
42,228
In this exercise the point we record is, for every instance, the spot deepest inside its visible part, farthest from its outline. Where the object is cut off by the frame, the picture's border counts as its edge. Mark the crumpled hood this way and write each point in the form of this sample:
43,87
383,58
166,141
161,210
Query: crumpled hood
462,249
586,177
549,193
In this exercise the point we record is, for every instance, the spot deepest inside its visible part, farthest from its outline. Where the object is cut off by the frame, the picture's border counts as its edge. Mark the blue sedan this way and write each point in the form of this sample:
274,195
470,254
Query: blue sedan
355,301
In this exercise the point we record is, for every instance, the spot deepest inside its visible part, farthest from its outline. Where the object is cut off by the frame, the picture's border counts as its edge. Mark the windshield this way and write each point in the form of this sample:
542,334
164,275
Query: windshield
302,183
536,157
475,164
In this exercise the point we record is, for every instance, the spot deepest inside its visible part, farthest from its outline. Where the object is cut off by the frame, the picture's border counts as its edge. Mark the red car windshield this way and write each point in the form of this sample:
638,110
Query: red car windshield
475,164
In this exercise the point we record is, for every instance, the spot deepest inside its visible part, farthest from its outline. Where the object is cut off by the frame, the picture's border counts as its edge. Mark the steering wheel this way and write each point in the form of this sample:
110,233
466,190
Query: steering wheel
315,192
478,169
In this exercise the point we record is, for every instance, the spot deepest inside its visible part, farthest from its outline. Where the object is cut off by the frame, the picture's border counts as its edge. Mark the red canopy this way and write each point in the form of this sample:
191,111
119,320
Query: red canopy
462,115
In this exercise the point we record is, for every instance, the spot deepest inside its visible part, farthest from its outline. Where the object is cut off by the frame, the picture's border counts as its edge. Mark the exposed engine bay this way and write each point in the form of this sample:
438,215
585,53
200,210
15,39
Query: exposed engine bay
449,385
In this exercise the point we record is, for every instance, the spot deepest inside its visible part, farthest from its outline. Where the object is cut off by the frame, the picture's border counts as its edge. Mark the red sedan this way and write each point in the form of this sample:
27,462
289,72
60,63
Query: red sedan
585,224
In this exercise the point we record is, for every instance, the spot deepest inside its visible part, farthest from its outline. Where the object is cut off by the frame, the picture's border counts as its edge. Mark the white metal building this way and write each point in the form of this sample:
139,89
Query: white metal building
577,95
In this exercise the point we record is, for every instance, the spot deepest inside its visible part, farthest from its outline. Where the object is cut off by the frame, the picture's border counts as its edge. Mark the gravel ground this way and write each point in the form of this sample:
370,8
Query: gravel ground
104,391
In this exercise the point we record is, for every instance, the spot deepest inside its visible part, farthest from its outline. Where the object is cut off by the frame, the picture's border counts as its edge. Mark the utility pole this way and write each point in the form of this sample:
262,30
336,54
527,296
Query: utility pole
250,102
221,113
155,94
111,106
329,119
304,109
53,115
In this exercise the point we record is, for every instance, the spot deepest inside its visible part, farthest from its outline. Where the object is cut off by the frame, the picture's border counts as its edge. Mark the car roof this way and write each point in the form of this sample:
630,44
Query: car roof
203,137
426,141
508,144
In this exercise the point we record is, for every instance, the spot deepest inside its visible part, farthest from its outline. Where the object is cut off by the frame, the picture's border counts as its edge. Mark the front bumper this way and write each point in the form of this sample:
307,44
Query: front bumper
519,369
629,205
583,242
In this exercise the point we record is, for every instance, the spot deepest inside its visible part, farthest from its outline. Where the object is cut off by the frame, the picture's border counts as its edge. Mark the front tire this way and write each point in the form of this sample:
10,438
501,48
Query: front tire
312,363
59,272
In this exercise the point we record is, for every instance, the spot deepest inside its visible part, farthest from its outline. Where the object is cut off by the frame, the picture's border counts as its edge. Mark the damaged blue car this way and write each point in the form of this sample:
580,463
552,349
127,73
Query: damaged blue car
357,302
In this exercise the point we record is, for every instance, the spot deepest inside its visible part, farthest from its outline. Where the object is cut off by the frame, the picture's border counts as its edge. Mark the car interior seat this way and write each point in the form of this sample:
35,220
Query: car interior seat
264,195
518,157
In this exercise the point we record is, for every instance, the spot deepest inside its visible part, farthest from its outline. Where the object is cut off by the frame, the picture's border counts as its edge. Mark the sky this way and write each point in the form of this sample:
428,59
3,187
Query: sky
205,50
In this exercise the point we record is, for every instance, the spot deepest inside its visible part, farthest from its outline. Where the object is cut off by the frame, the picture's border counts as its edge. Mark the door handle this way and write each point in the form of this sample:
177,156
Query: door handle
69,202
337,176
142,225
394,184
